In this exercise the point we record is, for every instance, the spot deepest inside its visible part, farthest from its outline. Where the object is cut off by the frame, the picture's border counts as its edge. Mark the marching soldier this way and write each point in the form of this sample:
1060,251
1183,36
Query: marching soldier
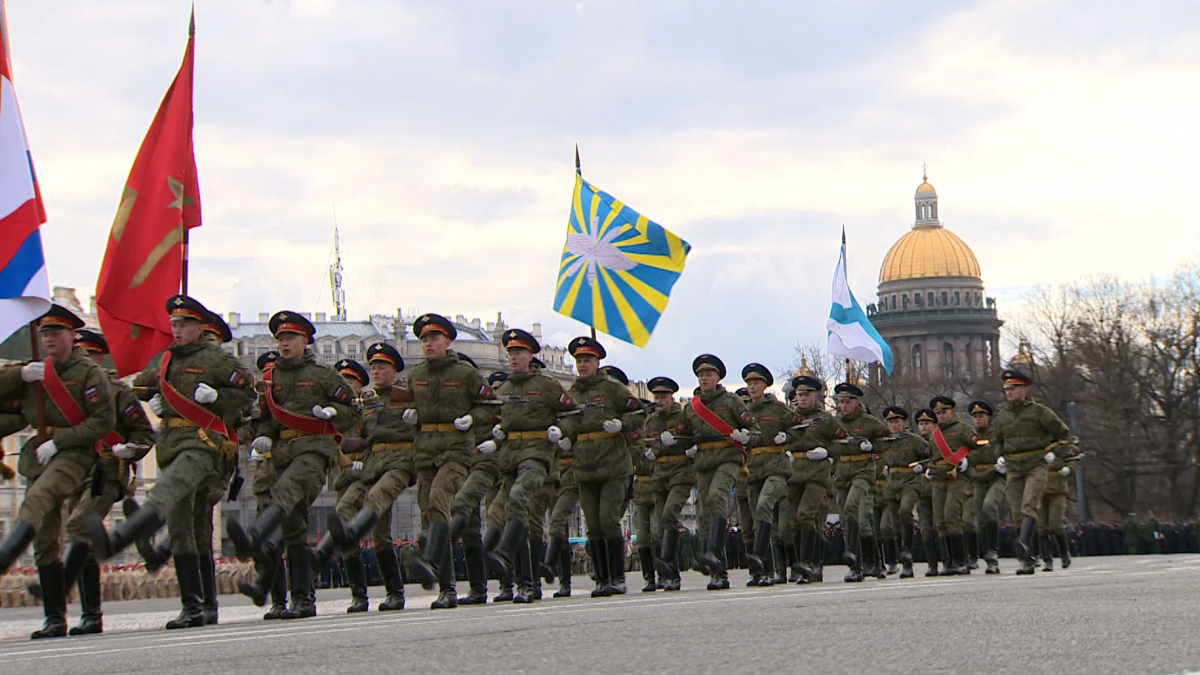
80,412
352,448
645,518
386,469
128,443
198,388
988,484
529,431
449,396
1051,512
673,477
948,472
926,422
307,407
597,439
721,426
270,571
812,476
1026,435
769,469
902,452
854,478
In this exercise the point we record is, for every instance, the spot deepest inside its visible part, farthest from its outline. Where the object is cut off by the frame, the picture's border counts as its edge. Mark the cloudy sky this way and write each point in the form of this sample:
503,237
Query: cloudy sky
1061,137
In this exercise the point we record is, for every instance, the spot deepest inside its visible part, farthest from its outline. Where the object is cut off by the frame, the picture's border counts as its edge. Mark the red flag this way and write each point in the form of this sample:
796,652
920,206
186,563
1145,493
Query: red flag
944,448
143,264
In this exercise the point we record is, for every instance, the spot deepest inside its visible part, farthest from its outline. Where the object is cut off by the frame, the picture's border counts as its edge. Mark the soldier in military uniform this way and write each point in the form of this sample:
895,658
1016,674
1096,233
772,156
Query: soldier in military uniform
270,571
643,506
720,457
812,475
950,483
385,470
926,422
1026,435
1051,511
988,484
307,407
673,476
769,468
529,431
130,441
741,496
198,388
450,396
58,461
901,451
598,437
854,478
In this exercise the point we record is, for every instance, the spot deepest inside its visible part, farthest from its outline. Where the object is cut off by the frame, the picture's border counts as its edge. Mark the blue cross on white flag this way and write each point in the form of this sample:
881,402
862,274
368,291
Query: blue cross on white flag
851,335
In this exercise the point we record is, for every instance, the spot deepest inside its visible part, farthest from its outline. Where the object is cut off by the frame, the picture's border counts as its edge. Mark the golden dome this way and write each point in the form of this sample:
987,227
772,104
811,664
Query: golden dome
925,189
928,252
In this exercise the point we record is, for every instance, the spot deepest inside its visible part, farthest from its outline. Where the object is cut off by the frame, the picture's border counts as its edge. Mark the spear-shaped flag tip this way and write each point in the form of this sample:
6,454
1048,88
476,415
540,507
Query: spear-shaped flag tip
192,23
576,157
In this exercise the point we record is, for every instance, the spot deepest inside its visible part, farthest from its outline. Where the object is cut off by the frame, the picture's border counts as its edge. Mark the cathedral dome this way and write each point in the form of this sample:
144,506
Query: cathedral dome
928,252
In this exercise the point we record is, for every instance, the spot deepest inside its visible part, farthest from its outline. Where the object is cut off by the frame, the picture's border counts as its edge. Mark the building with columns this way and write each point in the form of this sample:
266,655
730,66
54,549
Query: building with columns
932,309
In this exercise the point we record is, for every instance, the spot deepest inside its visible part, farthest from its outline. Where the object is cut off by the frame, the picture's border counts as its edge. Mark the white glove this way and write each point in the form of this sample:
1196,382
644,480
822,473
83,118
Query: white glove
1001,466
1065,471
463,423
791,459
780,438
33,372
667,438
261,445
1050,457
156,404
918,470
498,433
690,452
817,454
649,454
553,433
255,455
564,443
124,450
866,446
486,447
409,416
928,474
205,394
356,466
46,451
886,470
962,466
740,436
326,413
613,426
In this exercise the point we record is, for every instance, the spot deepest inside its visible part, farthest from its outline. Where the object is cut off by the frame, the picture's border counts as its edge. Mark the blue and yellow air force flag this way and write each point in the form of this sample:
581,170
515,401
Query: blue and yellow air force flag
851,335
617,266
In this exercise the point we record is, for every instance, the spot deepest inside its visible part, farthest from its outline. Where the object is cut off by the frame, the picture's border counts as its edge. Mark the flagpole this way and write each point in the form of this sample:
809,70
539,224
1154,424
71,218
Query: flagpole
578,170
39,393
846,267
183,277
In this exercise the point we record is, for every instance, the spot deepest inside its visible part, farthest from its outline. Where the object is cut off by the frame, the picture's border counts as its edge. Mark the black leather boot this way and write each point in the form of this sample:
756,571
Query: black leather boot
476,574
853,552
248,543
139,528
191,594
503,560
1047,553
547,565
324,550
598,548
20,535
803,568
972,545
1064,552
208,588
615,548
267,568
906,556
646,562
304,600
890,557
537,552
780,562
871,566
710,560
932,558
785,565
756,560
1025,546
92,620
54,602
436,547
523,573
565,556
665,562
393,583
357,574
447,595
278,583
991,546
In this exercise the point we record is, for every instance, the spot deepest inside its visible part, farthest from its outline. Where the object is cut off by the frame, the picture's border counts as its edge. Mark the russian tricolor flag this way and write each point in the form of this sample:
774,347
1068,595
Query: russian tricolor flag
24,284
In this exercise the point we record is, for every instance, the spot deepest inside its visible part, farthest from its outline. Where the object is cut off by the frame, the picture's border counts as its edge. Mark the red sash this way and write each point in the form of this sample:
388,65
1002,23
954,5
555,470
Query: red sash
62,399
302,423
721,426
186,407
943,447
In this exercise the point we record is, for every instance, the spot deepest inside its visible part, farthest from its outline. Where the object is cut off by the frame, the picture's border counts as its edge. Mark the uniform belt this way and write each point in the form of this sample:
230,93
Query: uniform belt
642,479
594,436
1051,473
441,428
566,461
291,434
767,450
671,458
351,455
179,422
538,435
714,445
384,447
985,467
1020,455
856,458
941,462
186,423
881,482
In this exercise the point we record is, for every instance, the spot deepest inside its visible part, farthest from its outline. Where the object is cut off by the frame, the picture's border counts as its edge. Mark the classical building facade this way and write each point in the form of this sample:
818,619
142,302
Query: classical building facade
932,309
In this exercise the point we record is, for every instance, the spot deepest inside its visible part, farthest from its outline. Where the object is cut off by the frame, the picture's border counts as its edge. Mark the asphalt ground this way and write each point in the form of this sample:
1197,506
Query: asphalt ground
1125,614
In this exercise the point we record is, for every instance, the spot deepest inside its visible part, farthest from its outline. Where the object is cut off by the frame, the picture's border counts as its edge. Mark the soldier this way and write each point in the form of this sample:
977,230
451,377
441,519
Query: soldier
926,422
59,460
307,407
450,397
948,472
1051,511
352,447
128,443
529,431
269,576
988,484
385,469
812,476
673,476
197,389
1026,434
721,426
769,469
741,496
854,478
901,451
644,514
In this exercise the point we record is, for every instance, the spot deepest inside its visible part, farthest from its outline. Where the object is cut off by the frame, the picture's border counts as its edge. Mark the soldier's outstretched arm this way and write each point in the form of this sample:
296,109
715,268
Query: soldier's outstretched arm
235,385
481,413
146,380
97,404
131,418
341,397
11,384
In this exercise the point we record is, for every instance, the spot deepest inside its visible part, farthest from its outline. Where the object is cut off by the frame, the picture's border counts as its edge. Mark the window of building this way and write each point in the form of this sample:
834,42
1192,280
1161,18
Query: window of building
932,301
351,348
945,299
948,359
977,303
904,301
893,302
956,298
327,349
967,359
916,359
